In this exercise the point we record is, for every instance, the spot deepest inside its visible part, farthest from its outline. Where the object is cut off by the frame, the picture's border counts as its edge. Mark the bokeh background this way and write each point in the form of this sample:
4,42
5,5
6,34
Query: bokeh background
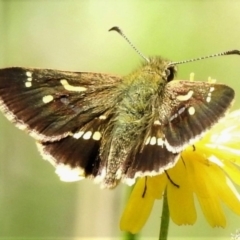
73,35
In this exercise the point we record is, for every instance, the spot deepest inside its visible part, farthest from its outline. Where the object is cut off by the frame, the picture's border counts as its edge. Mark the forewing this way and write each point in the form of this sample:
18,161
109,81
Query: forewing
66,112
52,104
190,109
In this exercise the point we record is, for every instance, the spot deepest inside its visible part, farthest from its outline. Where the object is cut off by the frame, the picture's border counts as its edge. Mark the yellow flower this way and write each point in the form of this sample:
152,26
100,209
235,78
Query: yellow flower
207,169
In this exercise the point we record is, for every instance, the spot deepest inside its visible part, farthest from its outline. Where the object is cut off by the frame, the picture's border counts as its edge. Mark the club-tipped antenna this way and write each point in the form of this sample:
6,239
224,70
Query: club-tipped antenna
118,30
231,52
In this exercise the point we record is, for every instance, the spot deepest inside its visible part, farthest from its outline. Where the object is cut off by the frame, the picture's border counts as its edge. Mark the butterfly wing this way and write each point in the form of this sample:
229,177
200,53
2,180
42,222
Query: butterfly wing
184,113
60,110
194,109
66,112
52,104
79,151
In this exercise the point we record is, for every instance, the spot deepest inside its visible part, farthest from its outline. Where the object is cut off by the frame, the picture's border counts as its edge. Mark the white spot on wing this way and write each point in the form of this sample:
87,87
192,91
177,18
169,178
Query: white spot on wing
87,135
78,134
97,136
157,122
160,142
47,98
28,74
102,117
69,87
211,89
153,141
28,84
185,97
191,110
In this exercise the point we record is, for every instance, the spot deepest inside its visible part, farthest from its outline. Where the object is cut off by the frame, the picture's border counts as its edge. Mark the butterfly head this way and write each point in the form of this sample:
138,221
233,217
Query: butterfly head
162,67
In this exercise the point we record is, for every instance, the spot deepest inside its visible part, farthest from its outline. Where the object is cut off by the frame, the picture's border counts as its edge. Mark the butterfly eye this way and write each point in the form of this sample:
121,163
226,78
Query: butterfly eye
170,72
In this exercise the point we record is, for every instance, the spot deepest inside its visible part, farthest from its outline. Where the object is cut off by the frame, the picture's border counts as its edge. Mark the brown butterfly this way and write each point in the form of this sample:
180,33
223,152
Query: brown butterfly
113,128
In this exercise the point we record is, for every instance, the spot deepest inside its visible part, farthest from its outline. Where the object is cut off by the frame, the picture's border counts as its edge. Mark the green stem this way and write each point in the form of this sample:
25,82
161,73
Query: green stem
130,236
165,219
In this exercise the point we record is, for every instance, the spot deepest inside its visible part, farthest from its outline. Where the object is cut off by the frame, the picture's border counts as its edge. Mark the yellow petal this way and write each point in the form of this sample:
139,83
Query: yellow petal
232,170
230,196
156,185
180,199
223,188
138,208
212,211
196,169
210,185
223,152
205,185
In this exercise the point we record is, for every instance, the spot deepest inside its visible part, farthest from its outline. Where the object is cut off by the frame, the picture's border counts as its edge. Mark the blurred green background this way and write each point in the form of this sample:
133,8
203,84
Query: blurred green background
73,35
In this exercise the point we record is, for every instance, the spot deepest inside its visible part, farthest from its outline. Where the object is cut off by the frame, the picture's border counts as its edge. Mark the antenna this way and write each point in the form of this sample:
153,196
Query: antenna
231,52
118,30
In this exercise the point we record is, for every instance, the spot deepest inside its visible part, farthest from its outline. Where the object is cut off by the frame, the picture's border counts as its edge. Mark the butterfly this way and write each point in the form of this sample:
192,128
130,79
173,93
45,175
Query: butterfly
112,128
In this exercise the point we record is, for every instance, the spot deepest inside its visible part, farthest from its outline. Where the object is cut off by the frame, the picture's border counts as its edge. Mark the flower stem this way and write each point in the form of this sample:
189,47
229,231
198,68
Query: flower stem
130,236
165,219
